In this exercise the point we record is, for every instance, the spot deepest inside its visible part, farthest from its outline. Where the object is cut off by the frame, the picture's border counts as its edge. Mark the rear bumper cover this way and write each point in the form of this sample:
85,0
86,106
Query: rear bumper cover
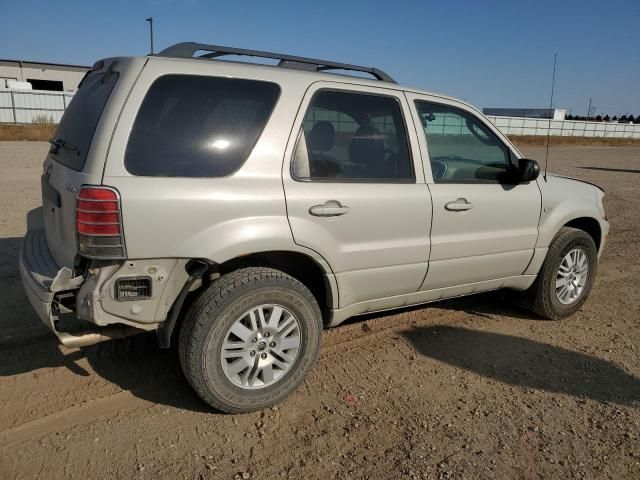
42,278
38,270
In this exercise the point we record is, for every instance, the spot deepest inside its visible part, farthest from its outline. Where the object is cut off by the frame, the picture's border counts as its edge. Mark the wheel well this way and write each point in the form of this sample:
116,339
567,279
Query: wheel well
589,225
298,265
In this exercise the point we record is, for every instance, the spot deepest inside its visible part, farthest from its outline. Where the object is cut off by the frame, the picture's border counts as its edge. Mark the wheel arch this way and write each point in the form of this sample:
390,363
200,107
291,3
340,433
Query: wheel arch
589,225
550,227
569,215
314,273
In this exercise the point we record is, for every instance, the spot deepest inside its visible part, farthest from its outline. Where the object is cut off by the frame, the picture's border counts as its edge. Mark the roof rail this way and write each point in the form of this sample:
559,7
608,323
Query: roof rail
188,49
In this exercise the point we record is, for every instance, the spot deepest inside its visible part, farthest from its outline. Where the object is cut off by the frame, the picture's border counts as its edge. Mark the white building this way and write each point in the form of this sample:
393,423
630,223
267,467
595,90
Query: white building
552,113
41,76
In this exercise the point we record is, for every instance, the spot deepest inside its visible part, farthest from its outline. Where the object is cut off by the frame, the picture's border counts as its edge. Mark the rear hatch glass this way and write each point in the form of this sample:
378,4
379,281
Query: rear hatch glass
75,131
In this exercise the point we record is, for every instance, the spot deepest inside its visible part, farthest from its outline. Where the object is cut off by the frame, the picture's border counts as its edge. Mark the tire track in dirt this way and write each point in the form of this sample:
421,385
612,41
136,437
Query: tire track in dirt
70,418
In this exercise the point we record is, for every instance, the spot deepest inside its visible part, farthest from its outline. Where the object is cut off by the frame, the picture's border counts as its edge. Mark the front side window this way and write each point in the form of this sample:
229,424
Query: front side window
461,148
353,137
192,126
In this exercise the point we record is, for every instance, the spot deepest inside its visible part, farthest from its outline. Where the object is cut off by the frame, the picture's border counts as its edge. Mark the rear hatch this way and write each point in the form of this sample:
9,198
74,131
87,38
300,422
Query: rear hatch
69,164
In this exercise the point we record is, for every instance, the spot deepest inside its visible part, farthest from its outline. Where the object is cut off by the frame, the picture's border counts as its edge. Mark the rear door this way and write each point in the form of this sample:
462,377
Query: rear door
485,225
77,155
355,190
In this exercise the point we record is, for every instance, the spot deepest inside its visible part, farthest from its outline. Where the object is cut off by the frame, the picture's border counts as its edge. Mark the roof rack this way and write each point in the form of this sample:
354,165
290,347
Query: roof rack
188,49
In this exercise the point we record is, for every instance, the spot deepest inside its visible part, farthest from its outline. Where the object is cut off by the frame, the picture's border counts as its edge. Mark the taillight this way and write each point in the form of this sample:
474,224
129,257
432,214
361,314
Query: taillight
99,223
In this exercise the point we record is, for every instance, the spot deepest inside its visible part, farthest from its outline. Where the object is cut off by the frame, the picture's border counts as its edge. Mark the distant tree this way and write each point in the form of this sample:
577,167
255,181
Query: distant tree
623,119
637,119
599,118
606,118
569,117
631,119
614,119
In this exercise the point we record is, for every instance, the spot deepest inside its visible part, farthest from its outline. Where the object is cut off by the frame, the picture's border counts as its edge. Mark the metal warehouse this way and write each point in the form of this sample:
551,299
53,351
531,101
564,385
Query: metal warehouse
42,76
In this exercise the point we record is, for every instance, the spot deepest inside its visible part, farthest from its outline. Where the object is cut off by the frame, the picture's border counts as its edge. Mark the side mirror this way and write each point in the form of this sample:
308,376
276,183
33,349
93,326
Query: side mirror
528,170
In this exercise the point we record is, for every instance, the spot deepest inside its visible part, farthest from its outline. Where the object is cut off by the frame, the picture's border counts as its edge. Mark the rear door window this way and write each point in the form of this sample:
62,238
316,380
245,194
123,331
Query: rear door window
78,124
348,136
194,126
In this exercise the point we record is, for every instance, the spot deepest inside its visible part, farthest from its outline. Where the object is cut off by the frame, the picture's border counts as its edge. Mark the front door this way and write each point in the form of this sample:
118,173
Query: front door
355,190
485,225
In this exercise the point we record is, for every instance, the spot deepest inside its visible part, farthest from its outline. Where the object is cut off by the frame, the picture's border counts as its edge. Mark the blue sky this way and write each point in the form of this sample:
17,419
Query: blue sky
491,53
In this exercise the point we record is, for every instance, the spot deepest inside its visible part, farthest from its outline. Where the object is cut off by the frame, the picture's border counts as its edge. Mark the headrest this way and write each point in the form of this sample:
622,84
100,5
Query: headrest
367,147
322,137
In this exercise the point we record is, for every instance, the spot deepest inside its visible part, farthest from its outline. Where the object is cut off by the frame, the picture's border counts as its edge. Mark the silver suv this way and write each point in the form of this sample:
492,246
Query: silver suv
239,209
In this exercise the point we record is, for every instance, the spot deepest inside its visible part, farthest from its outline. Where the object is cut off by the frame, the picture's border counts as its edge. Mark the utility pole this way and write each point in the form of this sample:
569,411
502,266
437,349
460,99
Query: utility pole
150,20
589,109
553,84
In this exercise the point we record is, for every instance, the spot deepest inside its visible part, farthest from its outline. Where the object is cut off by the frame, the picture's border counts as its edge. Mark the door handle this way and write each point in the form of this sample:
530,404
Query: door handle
458,205
331,208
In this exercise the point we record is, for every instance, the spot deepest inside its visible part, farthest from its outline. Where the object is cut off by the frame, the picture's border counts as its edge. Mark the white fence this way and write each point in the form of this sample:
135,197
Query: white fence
24,106
565,128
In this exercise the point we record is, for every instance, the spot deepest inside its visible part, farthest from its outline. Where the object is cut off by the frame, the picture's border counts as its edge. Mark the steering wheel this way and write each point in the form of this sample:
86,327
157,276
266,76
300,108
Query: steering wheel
479,133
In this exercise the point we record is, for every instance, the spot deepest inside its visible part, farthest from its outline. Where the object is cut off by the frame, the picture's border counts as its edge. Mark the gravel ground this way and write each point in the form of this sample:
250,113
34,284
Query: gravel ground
468,389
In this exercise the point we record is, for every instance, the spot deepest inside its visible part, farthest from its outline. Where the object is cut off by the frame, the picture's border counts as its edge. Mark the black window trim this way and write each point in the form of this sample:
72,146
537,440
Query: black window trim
512,156
232,173
378,181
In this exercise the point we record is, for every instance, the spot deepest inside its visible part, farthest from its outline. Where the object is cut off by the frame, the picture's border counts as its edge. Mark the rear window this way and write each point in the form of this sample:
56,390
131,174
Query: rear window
78,124
192,126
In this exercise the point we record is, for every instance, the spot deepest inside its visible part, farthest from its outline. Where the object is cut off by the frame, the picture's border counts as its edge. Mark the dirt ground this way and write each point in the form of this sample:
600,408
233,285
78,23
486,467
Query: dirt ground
469,389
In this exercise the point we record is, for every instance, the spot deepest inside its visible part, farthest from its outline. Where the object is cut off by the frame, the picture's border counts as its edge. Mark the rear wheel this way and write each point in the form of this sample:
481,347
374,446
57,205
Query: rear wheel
250,339
566,276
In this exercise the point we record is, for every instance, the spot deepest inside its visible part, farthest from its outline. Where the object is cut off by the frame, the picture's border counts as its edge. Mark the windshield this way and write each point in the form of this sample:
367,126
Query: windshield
75,132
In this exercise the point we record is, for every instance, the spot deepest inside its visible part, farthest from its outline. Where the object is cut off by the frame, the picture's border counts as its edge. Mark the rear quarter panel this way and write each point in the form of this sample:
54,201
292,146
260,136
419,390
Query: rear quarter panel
212,218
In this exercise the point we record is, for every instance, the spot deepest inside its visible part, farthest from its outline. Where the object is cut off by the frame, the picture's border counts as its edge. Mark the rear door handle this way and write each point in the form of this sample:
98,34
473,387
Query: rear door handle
459,205
331,208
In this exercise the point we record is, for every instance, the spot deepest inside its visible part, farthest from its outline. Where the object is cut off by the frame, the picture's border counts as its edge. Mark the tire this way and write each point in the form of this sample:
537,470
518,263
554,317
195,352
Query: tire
542,296
230,300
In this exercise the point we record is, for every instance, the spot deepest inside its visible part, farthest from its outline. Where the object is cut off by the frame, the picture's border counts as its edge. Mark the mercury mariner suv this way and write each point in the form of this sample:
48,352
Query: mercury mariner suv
237,209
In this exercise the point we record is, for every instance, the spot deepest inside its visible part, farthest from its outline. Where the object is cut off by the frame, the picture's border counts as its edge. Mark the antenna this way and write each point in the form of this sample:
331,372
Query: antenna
553,84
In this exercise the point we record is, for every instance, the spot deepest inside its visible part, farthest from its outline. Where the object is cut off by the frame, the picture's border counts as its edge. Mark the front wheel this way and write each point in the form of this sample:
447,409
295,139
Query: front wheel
250,339
566,276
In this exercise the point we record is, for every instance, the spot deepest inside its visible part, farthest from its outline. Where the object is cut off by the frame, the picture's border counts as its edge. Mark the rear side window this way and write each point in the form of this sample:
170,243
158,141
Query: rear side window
192,126
348,136
78,124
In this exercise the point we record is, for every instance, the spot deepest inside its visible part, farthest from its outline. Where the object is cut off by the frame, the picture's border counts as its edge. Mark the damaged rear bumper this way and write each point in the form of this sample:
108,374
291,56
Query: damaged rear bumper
43,279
